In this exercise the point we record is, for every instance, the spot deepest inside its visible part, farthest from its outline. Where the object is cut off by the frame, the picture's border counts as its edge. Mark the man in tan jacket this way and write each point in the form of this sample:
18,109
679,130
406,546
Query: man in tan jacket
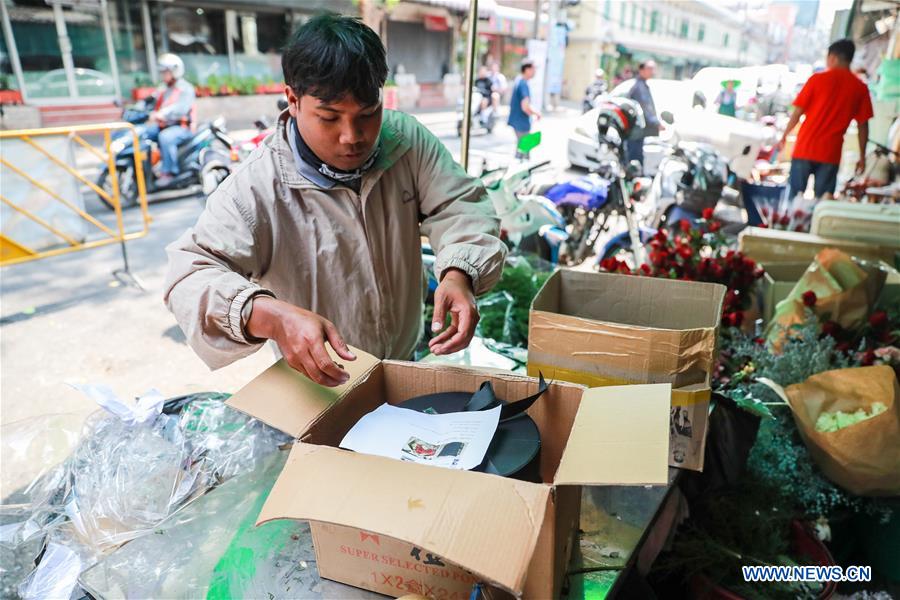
316,236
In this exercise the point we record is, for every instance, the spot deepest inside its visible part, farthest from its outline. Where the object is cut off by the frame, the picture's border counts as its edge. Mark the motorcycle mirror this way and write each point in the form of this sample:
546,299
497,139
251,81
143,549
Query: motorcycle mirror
667,117
282,104
634,169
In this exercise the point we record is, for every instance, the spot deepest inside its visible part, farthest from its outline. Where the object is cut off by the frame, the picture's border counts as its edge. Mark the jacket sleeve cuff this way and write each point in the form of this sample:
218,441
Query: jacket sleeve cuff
462,265
236,310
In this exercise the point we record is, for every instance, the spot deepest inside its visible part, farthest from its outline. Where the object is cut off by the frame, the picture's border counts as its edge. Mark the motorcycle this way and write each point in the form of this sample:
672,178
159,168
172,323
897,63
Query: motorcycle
691,177
204,159
485,118
591,95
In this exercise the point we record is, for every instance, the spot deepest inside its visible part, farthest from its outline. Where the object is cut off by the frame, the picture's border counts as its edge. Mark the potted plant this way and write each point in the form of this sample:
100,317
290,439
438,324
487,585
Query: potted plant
270,87
143,87
7,94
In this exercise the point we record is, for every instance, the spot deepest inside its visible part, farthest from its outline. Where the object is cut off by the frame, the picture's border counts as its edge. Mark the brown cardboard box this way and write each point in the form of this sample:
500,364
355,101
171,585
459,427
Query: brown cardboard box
600,329
384,525
780,278
772,246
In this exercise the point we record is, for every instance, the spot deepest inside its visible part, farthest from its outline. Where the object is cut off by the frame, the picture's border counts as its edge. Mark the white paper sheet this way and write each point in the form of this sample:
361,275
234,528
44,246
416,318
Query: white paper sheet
454,440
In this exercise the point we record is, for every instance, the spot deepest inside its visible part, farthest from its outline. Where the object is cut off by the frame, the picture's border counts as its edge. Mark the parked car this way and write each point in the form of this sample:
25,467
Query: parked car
88,81
738,141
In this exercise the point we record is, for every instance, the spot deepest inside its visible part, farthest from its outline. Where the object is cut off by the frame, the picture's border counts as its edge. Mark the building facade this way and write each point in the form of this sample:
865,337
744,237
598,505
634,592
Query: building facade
681,36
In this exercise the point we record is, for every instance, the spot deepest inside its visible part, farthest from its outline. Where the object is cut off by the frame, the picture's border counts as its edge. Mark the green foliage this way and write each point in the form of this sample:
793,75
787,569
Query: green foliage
142,79
504,313
747,524
803,355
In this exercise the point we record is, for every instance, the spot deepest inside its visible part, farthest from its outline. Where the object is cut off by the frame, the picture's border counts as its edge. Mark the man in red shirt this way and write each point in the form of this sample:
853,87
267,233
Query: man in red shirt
830,100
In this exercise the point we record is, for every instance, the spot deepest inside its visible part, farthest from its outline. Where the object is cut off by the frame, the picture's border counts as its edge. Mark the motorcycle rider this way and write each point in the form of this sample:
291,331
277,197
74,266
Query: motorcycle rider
597,87
171,122
485,87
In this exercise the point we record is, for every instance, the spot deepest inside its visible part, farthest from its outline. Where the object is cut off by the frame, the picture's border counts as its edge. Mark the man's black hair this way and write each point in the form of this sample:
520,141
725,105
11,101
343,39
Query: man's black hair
331,56
526,64
844,49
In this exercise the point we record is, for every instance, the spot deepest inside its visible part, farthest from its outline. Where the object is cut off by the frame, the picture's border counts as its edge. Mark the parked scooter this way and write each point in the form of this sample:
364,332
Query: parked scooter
528,222
484,118
265,126
204,159
690,179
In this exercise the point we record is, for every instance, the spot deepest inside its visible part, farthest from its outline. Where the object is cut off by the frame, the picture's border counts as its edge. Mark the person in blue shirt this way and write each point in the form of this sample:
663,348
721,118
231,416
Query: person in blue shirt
520,110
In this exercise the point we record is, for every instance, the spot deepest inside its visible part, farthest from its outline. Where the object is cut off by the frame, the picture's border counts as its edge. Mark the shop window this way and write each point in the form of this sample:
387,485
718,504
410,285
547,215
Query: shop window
725,40
685,27
607,10
622,15
701,32
633,17
654,21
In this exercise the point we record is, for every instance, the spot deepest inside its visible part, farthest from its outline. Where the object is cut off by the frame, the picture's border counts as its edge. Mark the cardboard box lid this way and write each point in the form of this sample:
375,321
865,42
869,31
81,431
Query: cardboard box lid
620,437
290,402
485,524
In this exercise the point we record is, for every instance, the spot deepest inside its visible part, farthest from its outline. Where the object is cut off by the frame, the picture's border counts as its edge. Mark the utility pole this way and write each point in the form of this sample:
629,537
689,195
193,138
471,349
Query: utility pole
537,19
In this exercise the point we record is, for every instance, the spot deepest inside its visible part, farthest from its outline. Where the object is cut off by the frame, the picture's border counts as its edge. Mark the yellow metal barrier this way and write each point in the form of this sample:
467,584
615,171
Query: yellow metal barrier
13,252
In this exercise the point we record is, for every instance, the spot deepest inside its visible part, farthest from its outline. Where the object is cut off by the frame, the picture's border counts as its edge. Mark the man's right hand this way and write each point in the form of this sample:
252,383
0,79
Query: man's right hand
301,336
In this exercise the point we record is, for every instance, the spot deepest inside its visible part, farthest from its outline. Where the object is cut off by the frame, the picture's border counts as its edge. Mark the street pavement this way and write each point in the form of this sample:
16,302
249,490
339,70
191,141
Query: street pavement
67,320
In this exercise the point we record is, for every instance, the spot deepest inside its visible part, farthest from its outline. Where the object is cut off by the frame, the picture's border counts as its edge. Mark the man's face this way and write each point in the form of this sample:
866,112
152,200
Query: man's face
528,73
341,133
167,77
648,71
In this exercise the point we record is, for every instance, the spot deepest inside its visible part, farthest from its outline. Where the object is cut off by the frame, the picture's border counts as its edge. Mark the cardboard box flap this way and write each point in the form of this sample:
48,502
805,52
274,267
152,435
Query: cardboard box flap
290,402
485,524
620,437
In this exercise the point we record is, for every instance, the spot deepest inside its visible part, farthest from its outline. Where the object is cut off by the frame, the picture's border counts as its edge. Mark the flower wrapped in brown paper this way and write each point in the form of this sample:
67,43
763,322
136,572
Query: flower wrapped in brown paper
863,458
835,287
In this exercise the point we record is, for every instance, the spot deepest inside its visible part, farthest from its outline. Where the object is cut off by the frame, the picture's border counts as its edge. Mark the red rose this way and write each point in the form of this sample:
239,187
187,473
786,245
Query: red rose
715,226
868,359
733,319
878,319
731,299
707,213
809,298
886,337
799,227
608,264
842,347
684,225
785,220
759,341
685,252
645,269
831,329
763,225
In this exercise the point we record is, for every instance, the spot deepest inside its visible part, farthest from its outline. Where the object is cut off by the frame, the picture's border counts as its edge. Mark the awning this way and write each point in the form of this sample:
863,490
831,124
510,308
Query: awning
461,7
513,22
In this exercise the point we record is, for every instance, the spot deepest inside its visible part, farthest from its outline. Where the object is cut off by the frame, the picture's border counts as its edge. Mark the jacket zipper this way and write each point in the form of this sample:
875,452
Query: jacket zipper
380,312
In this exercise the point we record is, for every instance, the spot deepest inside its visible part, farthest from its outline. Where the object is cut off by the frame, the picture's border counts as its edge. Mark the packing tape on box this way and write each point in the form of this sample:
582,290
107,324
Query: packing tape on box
680,397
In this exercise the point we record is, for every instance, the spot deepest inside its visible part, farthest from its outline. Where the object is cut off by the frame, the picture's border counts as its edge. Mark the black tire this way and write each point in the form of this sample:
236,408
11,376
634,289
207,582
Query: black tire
128,190
615,249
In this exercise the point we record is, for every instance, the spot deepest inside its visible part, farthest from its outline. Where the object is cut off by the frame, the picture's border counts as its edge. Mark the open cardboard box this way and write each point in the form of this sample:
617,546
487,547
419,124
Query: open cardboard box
396,527
600,329
773,245
779,280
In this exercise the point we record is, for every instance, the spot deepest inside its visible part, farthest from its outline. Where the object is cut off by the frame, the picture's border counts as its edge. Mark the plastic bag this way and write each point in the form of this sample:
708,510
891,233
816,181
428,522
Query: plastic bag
123,478
62,560
184,550
33,453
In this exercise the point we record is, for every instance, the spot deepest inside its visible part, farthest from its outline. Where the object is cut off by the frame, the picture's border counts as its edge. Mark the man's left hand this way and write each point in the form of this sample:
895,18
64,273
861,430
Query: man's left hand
454,295
861,165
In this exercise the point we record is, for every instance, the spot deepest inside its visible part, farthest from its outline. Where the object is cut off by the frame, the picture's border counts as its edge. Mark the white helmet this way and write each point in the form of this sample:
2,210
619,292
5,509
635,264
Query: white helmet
170,62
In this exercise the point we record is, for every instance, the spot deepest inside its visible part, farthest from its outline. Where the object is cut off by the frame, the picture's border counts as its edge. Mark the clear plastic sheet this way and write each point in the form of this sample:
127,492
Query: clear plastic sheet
213,549
123,478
